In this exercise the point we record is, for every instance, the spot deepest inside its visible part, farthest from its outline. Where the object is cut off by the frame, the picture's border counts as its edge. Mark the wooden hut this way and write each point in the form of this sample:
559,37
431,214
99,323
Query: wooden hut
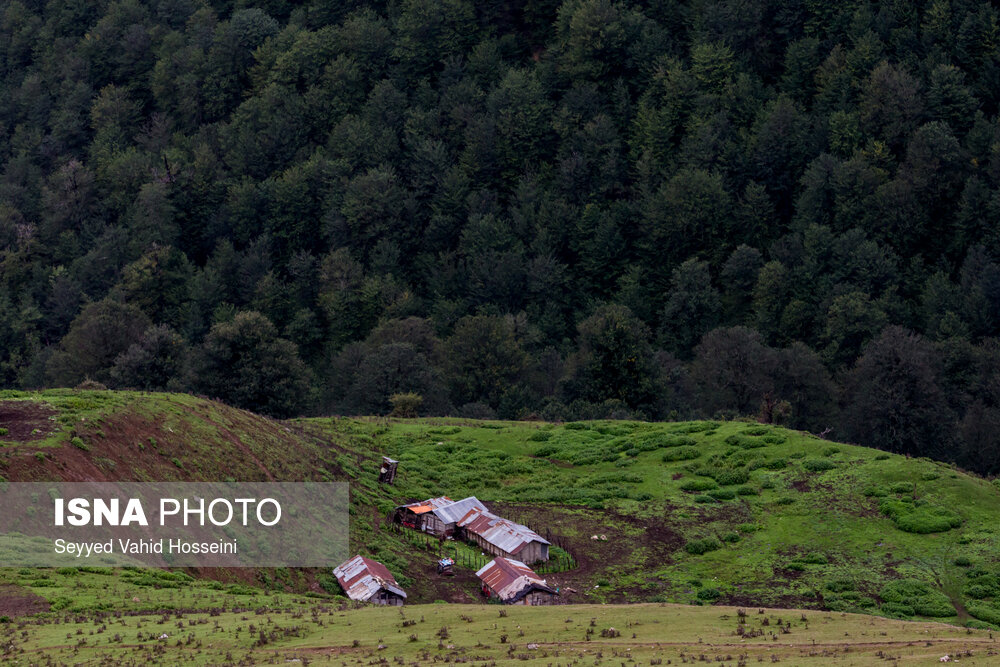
501,537
366,580
512,582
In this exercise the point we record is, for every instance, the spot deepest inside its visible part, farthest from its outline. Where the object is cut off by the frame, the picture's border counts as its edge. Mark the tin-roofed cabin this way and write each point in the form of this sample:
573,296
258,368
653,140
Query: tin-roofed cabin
443,521
512,582
501,537
366,580
418,515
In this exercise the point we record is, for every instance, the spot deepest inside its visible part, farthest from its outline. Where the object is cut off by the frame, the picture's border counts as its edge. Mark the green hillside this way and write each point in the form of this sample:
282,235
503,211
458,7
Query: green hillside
697,512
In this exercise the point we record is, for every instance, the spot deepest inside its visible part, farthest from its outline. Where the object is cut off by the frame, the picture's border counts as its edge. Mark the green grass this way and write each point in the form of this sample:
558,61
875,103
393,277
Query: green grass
805,512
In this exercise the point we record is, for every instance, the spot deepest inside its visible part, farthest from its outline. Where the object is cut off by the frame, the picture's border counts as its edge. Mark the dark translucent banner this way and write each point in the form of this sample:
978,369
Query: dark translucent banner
176,524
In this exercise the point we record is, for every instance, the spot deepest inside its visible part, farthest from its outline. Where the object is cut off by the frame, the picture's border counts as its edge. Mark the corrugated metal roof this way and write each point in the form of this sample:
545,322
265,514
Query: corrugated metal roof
511,579
455,511
361,578
502,533
427,505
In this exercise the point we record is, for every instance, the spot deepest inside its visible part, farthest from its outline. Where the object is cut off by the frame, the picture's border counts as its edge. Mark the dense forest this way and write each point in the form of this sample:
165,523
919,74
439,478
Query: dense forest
520,208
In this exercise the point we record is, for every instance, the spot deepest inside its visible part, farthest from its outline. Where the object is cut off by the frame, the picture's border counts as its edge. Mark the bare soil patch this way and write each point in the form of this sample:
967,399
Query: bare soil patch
27,420
17,601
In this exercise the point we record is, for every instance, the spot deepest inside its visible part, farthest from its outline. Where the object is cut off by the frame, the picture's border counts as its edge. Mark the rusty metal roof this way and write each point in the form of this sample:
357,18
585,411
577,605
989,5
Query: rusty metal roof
361,578
455,511
511,579
502,533
422,506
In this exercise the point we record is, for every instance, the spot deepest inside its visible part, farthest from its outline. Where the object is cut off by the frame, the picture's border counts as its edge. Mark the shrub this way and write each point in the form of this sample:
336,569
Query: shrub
980,625
984,612
680,454
774,439
875,492
546,451
756,430
897,609
963,561
776,464
79,443
745,442
722,494
709,594
881,457
731,537
704,499
902,487
815,559
693,485
919,596
818,465
698,547
830,451
796,565
731,476
540,436
930,476
922,519
748,528
840,585
747,491
767,483
3,431
784,500
576,426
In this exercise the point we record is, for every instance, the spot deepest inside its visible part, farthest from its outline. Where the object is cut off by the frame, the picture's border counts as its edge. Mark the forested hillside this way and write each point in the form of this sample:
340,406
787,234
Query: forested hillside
579,210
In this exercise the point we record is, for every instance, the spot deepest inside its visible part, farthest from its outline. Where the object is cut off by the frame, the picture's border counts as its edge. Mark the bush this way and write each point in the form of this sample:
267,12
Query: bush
405,405
732,476
747,491
731,537
922,519
875,492
756,430
540,436
930,476
963,561
694,485
709,594
722,494
3,431
840,585
774,439
576,426
745,442
79,444
882,457
902,487
830,451
680,454
818,465
815,559
897,610
785,500
699,547
704,499
546,451
919,596
776,464
984,612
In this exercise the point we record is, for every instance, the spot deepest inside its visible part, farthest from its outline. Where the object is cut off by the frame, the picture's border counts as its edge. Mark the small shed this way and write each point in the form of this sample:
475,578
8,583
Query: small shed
415,515
502,537
512,582
387,473
366,580
443,521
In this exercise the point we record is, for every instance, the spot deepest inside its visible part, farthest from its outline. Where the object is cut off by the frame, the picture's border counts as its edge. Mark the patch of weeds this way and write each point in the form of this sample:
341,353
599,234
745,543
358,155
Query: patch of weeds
748,528
930,476
756,430
875,492
731,537
830,451
963,561
77,442
797,455
699,547
815,559
882,457
722,494
546,452
784,500
747,491
700,498
902,487
576,426
840,585
745,442
540,436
